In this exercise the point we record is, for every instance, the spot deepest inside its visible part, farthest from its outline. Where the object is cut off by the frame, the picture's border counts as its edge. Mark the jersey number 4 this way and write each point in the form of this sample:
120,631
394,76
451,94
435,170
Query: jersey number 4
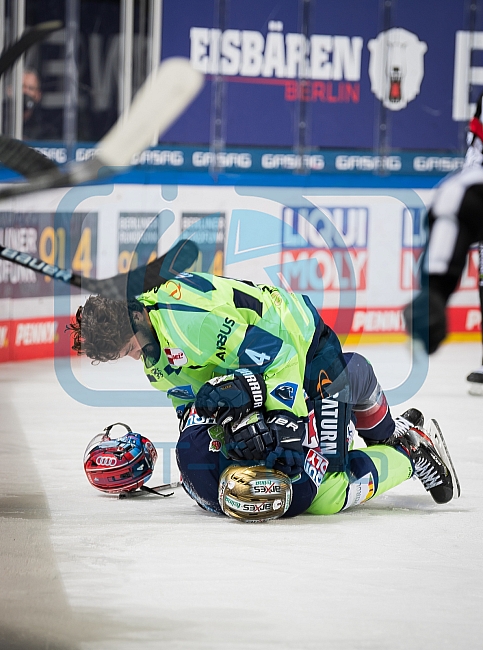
257,357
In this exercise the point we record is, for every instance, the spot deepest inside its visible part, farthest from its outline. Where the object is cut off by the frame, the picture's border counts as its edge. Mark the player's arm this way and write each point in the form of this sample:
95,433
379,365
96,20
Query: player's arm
201,461
199,458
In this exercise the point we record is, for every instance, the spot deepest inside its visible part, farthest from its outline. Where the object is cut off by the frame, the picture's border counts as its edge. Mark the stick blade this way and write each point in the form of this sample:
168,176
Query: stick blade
33,35
129,285
160,101
20,158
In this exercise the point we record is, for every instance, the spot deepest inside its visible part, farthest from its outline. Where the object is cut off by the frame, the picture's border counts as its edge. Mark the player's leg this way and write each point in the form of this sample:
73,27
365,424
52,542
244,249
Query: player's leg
371,472
371,412
475,378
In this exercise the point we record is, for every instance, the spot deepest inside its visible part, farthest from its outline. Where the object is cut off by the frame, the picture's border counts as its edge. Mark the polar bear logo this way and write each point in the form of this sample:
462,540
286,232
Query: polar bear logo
396,67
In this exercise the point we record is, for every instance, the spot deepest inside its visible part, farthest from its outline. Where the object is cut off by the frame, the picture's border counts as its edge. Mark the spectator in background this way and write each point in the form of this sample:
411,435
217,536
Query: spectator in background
35,124
35,127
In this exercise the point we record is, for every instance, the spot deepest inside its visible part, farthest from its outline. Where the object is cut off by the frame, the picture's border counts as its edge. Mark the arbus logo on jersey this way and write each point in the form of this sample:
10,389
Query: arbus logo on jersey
175,356
396,67
106,461
222,337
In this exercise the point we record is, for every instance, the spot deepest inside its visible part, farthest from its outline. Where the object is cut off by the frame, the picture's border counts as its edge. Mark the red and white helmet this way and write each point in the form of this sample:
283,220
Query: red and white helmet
119,464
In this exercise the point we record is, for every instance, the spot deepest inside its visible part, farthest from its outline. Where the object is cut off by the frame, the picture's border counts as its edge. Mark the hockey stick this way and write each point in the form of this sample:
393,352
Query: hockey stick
22,159
160,101
122,286
30,37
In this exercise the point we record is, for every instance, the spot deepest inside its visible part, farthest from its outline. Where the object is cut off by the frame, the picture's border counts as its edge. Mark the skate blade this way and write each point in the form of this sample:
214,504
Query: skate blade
475,388
439,442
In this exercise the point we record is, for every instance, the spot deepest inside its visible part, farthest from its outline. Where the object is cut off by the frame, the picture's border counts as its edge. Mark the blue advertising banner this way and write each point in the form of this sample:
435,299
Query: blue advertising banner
372,75
269,162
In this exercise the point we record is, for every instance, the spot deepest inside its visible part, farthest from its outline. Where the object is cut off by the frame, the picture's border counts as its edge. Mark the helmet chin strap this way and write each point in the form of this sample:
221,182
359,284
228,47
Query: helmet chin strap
145,489
108,429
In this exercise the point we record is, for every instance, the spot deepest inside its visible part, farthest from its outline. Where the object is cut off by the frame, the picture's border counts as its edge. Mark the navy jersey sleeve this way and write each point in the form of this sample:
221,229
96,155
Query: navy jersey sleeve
201,462
304,491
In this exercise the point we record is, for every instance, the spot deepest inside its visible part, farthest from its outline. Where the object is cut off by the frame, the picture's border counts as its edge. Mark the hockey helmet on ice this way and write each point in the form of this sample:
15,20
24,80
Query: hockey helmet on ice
119,464
254,493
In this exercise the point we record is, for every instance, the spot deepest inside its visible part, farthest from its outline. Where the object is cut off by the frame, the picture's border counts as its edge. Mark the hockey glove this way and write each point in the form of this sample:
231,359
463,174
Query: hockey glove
230,397
288,433
248,438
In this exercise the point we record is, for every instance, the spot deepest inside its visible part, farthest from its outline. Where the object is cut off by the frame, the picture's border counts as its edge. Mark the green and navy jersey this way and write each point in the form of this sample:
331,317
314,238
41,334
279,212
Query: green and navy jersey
209,326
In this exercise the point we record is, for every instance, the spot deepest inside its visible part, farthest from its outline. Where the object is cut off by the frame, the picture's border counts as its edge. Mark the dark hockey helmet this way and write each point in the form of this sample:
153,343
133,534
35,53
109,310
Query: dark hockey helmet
255,493
119,464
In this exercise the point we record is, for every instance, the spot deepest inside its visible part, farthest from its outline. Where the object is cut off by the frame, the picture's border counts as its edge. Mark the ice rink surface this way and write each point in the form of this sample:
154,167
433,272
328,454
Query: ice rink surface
83,570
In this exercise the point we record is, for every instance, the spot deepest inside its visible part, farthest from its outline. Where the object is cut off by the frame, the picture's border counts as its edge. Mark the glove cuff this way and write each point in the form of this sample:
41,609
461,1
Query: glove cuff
254,385
288,428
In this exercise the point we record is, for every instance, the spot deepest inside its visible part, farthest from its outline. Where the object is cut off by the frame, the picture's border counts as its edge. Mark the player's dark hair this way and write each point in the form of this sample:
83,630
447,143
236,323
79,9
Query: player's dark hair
103,327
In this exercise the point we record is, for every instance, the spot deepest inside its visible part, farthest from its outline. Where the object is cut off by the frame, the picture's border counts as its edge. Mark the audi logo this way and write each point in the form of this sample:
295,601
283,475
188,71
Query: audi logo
106,461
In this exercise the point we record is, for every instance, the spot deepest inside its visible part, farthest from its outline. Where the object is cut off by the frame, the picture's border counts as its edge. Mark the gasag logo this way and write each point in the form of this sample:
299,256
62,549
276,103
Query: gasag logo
396,67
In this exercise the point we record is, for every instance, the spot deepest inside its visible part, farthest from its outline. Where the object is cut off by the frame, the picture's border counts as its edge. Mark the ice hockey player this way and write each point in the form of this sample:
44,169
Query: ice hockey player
235,349
455,221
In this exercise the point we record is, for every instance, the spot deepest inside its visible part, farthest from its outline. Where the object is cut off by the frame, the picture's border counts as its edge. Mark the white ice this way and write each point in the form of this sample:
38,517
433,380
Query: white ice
85,570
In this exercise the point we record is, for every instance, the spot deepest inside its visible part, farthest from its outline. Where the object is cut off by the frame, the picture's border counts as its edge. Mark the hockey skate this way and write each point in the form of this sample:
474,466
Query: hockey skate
475,382
428,453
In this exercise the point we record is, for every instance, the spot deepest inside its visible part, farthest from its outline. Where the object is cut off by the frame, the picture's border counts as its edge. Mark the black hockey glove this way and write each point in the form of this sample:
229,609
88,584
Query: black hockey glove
230,397
249,438
288,433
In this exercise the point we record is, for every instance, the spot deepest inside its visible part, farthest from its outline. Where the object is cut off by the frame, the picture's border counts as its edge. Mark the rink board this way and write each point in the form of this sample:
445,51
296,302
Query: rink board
354,251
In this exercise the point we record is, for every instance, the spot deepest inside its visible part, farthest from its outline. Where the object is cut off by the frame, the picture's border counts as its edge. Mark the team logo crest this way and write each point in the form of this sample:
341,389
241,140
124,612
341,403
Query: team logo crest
181,392
285,393
396,67
176,356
